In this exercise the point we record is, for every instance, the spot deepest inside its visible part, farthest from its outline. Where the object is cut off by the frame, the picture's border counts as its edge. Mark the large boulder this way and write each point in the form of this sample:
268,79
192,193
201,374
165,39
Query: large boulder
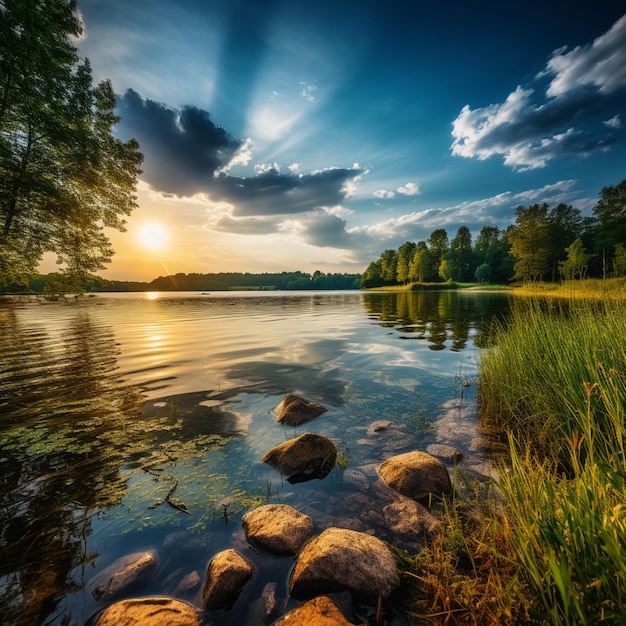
227,575
340,559
295,410
277,528
320,611
417,475
150,612
126,574
305,457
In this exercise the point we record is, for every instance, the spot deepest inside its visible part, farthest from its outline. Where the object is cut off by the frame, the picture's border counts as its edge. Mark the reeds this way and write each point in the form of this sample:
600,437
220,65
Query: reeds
556,384
552,548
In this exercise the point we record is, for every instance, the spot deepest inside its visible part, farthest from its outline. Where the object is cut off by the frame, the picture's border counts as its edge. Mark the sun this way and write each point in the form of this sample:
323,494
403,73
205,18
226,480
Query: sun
152,236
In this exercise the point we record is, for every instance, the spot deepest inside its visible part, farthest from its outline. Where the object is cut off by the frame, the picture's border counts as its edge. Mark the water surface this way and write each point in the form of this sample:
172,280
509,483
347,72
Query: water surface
109,402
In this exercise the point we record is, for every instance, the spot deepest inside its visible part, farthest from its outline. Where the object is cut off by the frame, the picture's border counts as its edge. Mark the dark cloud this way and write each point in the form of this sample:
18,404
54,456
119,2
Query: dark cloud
182,150
327,231
185,151
246,226
273,193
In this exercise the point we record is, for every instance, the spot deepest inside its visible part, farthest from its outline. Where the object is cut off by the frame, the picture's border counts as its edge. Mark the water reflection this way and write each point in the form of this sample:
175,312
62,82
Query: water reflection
68,428
445,319
106,403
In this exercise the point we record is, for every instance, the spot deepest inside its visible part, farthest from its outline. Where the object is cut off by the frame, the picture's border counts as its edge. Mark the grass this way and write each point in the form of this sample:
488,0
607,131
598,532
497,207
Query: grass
548,546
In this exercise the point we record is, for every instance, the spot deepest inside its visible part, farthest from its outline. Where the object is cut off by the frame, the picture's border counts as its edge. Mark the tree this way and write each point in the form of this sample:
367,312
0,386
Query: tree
389,266
420,266
610,212
529,245
438,246
406,252
577,261
372,276
462,254
619,260
564,226
64,178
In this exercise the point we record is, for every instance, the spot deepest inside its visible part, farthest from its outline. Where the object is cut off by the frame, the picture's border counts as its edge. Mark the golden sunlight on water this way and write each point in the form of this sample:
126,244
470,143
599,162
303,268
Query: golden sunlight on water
106,402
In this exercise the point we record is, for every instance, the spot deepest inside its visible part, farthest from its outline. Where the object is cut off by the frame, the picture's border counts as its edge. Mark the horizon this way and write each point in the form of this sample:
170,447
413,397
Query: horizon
278,134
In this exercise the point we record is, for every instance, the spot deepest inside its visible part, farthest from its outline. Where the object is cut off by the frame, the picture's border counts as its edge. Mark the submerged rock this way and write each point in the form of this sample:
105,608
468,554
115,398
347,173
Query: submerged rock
445,452
125,575
339,559
277,528
417,475
307,456
150,612
295,410
227,575
320,611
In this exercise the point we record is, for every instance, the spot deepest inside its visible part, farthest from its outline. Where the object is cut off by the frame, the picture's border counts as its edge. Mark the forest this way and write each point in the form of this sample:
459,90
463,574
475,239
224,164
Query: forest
544,244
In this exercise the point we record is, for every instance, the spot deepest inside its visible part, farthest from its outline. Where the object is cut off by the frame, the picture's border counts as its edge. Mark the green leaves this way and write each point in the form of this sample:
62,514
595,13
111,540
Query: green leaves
64,177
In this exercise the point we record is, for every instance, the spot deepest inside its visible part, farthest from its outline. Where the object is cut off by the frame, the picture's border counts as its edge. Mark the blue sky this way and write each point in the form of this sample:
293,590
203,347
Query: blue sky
291,135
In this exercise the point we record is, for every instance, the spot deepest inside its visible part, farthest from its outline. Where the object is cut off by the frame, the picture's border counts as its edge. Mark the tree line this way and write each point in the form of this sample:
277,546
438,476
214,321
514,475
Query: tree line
222,281
545,243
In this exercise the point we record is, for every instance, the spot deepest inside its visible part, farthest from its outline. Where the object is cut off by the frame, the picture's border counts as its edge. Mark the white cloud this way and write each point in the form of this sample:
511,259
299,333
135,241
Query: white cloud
384,194
263,168
601,64
241,157
410,189
308,91
534,126
614,122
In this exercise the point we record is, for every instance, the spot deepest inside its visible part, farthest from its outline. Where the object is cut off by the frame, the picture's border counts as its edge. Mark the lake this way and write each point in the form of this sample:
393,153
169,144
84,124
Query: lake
109,403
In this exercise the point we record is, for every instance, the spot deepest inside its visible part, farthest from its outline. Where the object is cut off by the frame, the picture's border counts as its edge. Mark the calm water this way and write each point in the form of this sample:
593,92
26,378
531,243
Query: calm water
108,402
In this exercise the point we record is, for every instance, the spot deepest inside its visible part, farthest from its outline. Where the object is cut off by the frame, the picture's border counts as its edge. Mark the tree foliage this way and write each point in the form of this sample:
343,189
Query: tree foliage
64,177
544,243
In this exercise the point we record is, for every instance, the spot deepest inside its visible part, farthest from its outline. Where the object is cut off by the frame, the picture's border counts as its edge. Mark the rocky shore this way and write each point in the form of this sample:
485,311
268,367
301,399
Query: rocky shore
341,568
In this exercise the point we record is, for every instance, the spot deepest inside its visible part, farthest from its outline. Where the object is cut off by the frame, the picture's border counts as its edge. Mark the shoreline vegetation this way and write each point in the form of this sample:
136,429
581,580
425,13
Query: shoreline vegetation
547,543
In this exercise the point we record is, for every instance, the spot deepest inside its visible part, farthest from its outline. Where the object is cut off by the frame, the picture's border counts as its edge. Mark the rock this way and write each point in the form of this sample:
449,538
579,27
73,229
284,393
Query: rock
277,528
307,456
294,410
339,559
378,426
409,520
445,452
417,475
188,583
227,575
150,612
356,479
125,574
320,611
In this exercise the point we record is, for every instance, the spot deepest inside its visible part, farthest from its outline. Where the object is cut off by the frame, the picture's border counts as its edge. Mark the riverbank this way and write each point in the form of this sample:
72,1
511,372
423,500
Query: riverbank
548,544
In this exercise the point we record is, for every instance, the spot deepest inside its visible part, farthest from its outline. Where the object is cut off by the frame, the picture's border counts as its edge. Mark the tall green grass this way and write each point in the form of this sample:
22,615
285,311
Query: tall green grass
556,384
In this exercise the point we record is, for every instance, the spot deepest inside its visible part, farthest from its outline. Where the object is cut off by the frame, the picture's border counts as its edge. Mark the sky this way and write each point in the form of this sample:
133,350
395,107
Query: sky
283,135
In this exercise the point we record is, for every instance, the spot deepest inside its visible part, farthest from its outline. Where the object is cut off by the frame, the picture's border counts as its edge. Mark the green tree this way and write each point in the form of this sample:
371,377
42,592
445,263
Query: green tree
483,273
421,264
438,246
64,178
448,268
610,213
406,252
564,226
372,276
462,254
529,242
389,266
577,261
619,260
